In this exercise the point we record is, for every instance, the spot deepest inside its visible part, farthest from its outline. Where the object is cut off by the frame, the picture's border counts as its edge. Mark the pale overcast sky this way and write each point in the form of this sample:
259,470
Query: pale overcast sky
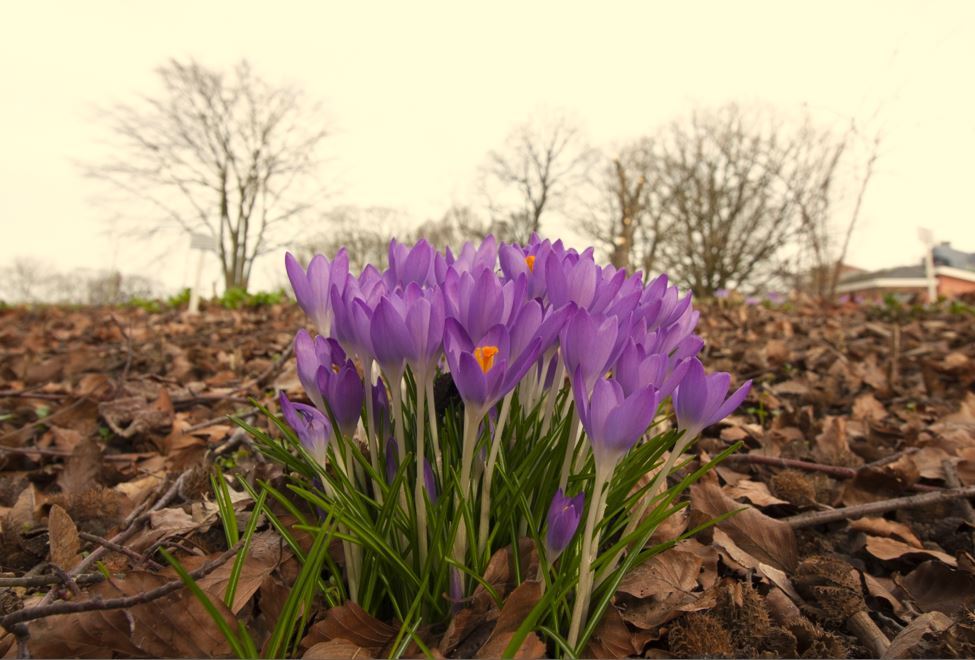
418,93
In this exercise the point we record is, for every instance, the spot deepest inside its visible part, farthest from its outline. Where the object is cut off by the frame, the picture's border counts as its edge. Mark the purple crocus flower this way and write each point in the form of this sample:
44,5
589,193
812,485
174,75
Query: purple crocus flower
517,261
353,318
564,515
328,376
572,278
479,301
313,288
410,265
469,259
635,369
310,354
309,424
485,371
700,399
613,421
721,294
752,301
590,344
342,389
776,298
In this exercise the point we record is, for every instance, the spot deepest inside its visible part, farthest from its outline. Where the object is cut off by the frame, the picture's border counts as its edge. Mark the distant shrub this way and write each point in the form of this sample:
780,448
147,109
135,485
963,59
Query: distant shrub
238,298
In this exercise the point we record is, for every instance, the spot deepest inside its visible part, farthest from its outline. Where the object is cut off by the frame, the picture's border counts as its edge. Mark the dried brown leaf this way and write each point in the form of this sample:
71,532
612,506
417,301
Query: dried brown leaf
935,586
82,468
336,648
768,540
611,639
500,572
663,574
515,610
262,558
884,527
352,623
755,492
889,549
176,625
63,538
926,624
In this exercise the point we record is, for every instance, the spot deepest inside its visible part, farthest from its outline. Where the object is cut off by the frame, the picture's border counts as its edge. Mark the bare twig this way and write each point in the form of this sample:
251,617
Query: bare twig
836,471
121,549
775,461
66,579
45,580
850,512
219,420
42,611
33,450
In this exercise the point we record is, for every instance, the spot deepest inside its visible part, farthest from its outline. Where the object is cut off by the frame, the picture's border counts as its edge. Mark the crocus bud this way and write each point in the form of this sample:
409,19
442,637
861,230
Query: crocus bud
430,482
309,424
564,515
700,399
312,288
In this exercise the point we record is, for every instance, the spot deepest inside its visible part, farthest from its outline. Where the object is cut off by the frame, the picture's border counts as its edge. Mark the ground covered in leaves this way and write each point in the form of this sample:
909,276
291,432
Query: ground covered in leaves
111,418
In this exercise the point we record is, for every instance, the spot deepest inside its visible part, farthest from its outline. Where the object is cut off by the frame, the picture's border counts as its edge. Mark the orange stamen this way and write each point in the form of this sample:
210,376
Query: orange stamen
485,357
530,260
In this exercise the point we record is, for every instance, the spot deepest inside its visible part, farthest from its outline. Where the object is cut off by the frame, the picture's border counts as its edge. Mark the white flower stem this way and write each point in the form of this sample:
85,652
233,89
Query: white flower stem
372,436
570,449
351,551
482,530
590,545
434,433
636,515
396,394
471,421
421,500
552,395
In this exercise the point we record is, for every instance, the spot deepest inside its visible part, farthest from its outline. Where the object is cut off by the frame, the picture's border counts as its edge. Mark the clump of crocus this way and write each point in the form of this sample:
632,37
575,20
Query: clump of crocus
479,373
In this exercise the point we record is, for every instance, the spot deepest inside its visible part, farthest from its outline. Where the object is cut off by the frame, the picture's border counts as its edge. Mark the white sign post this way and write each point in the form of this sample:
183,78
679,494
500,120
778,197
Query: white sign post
202,243
927,237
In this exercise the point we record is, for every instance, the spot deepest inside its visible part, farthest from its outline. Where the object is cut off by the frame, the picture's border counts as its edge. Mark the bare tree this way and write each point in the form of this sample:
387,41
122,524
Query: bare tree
224,154
363,231
715,200
25,279
835,175
619,220
539,165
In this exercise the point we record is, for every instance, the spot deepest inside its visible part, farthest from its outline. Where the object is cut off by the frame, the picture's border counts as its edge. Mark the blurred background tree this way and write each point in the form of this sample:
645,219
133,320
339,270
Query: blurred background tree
537,171
727,199
225,154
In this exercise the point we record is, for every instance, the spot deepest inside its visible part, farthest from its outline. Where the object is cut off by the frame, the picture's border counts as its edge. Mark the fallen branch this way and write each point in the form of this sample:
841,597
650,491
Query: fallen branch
883,506
72,607
44,580
121,549
832,470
